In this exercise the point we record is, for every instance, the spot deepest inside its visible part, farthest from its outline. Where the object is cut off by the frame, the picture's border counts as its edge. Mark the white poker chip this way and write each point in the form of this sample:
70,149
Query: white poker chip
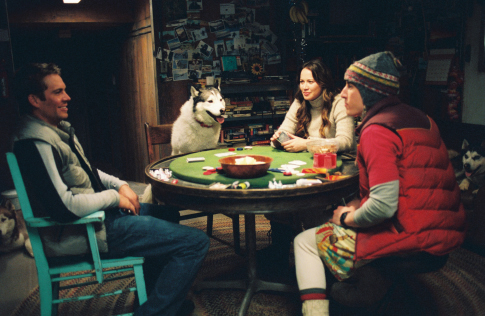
207,168
300,174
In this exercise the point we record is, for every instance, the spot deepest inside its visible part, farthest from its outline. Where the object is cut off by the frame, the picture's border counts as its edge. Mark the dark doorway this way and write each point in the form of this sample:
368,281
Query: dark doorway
89,60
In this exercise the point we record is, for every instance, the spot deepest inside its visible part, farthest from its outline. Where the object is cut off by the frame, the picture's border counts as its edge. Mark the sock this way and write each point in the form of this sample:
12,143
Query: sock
313,294
315,308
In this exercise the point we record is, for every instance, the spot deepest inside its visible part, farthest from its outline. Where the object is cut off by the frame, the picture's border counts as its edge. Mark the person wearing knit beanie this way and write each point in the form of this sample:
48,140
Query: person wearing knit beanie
409,201
375,76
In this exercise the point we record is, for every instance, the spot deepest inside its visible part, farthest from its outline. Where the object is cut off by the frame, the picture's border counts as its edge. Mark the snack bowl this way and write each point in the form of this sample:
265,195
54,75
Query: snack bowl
322,146
245,171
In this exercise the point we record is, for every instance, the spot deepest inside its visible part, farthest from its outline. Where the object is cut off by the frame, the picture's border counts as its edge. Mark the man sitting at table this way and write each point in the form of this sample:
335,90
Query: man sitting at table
173,253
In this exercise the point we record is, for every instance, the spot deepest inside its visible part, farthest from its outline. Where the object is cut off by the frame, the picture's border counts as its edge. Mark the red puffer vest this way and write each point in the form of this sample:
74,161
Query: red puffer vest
430,216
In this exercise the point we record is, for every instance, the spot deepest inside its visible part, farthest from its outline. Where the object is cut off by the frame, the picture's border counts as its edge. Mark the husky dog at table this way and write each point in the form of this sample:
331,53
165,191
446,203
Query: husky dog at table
199,124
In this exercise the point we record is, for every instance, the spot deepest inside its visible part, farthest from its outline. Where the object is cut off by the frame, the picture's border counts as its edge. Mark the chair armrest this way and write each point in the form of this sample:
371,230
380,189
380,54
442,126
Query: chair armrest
96,217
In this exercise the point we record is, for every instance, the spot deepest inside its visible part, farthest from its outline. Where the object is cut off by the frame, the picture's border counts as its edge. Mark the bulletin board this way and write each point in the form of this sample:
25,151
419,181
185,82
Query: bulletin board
194,36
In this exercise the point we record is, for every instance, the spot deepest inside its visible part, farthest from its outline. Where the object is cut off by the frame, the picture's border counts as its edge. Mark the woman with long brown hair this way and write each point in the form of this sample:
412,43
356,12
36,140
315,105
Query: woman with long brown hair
317,111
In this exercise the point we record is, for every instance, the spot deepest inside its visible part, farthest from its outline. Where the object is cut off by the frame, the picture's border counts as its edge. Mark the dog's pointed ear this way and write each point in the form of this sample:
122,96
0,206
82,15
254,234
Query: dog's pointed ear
9,205
194,92
465,144
217,85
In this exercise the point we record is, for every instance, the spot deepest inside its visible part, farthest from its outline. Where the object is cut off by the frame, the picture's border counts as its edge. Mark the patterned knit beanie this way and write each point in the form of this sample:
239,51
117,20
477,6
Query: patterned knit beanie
376,77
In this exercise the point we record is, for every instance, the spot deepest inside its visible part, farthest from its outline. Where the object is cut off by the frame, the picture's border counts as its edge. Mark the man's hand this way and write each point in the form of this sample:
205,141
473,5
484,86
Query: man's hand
126,206
339,211
126,192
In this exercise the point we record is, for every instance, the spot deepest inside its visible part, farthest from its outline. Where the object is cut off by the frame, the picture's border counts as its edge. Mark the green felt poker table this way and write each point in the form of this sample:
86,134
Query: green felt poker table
193,171
191,190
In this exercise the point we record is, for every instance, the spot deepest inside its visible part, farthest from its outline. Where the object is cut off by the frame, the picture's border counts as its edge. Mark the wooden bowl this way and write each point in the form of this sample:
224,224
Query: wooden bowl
245,171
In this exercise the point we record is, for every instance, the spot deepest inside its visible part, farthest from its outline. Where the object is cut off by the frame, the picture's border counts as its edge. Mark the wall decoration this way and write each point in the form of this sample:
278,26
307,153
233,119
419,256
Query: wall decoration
226,43
229,63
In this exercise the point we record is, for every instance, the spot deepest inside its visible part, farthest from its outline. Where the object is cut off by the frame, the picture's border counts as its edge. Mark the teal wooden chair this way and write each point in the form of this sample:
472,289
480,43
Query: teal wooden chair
83,268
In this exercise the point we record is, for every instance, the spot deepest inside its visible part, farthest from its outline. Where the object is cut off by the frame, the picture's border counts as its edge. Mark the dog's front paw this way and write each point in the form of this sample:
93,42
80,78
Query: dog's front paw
464,185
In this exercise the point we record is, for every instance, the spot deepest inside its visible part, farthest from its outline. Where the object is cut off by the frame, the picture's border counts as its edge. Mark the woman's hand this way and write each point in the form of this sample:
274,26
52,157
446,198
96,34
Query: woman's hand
126,192
295,144
275,136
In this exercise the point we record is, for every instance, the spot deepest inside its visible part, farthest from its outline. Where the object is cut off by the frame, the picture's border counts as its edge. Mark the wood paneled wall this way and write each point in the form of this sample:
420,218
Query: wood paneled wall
138,93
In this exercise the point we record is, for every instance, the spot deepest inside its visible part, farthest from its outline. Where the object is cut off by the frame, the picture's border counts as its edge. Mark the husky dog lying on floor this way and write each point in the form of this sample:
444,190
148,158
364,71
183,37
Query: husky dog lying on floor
199,124
13,232
473,165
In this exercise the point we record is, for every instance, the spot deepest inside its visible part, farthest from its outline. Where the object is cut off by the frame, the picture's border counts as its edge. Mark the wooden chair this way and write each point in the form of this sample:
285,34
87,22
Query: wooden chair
162,135
83,268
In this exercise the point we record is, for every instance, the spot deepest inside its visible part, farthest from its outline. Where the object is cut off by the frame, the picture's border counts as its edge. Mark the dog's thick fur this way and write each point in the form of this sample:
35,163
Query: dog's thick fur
199,124
473,166
13,230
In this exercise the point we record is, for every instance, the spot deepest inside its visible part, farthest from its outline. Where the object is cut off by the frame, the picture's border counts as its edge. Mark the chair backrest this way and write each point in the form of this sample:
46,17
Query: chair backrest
157,135
19,186
33,224
24,201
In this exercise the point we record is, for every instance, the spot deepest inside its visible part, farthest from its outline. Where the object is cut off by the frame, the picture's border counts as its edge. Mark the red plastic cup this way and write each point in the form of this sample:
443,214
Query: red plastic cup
330,161
327,160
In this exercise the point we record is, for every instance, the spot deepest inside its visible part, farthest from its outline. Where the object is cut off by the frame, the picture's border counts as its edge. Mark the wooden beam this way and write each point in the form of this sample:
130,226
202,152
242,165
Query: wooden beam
75,14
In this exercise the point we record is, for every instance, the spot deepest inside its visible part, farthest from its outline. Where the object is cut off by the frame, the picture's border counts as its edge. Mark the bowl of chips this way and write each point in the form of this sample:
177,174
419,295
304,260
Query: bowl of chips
322,146
245,167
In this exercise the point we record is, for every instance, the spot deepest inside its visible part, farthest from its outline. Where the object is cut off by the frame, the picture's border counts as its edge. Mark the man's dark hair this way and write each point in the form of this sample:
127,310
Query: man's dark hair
30,80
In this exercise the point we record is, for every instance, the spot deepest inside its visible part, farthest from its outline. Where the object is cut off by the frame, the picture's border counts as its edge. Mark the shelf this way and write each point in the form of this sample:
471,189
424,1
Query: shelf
234,126
260,86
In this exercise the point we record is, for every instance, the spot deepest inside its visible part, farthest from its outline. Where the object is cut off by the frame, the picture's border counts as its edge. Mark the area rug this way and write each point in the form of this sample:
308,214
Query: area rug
221,262
456,289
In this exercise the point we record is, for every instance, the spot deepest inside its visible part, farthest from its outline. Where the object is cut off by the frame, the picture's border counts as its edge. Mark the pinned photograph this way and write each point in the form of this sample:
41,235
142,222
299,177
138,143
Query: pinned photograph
217,25
180,64
205,49
194,5
195,64
163,66
206,69
181,74
180,54
199,34
166,55
268,48
230,45
219,47
216,65
274,59
167,35
192,24
223,33
182,34
176,23
159,53
195,74
174,43
228,8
